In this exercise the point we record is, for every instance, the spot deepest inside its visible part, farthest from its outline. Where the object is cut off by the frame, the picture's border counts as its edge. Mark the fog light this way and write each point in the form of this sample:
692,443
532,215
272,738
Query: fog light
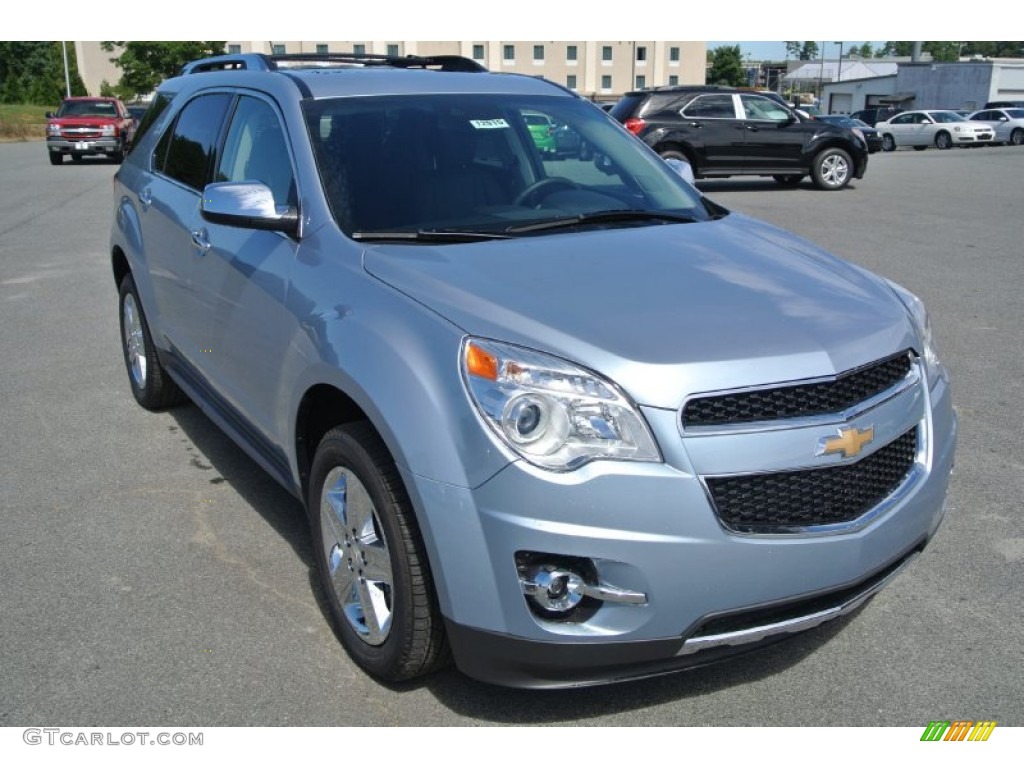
553,589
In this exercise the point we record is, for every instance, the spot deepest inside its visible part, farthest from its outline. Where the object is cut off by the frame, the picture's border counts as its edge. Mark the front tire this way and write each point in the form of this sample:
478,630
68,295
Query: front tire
371,559
943,140
56,158
832,169
1017,137
888,143
152,387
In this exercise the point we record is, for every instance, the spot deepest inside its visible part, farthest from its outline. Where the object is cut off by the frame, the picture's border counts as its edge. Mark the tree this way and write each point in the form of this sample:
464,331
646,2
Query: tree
793,49
809,51
864,51
1008,50
145,64
727,66
33,73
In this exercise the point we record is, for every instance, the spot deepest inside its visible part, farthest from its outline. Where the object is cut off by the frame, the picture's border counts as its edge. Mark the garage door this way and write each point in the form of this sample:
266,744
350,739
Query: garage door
841,103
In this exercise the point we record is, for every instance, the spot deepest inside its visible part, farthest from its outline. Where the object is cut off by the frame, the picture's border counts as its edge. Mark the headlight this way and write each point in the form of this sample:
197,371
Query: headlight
108,130
53,129
552,413
919,315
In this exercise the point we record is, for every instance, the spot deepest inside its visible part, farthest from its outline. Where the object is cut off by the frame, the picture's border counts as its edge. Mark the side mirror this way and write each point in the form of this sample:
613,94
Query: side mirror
248,204
49,115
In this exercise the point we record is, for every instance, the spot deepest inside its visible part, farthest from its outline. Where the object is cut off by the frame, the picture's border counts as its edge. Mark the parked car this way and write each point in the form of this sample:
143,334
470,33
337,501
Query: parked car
1018,104
923,128
574,428
726,132
88,126
870,135
874,115
1007,124
542,128
137,110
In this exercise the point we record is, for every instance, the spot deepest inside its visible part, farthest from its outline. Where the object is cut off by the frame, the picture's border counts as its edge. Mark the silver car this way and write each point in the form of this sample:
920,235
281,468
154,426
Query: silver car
1007,124
563,421
923,128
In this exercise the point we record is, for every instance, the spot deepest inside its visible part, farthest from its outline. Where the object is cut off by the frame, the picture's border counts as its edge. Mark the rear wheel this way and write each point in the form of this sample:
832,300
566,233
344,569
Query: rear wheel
943,140
56,158
888,143
1017,137
152,387
370,557
832,169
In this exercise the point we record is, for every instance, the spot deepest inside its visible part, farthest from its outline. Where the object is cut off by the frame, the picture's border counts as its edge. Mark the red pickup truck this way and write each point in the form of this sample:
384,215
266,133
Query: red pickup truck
89,126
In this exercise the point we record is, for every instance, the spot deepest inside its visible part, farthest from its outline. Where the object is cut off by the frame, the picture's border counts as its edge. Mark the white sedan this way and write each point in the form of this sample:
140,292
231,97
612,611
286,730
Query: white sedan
1008,124
940,128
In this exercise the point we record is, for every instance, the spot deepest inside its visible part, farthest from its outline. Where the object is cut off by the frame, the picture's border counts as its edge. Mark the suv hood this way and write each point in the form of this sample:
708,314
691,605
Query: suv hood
664,310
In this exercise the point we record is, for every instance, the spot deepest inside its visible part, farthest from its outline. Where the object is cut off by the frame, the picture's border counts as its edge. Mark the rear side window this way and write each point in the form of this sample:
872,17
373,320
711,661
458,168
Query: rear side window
156,108
711,105
186,150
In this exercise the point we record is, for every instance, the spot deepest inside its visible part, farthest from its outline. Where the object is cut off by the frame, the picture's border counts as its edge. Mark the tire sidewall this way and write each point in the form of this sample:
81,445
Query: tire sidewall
144,394
340,449
818,175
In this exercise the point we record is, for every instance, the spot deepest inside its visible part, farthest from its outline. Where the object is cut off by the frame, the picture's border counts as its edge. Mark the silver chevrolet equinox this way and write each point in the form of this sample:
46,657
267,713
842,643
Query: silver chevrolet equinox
553,414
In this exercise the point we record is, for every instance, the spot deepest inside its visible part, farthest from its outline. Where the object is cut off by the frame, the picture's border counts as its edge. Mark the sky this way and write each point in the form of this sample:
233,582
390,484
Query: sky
776,51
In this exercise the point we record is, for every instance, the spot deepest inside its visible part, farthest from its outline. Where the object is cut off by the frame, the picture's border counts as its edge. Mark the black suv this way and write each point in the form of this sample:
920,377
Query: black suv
722,131
874,115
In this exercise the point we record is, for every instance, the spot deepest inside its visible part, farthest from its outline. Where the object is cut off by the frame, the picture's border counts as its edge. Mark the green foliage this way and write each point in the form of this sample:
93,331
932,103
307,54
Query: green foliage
864,51
793,49
145,64
946,50
809,51
33,73
727,66
1008,50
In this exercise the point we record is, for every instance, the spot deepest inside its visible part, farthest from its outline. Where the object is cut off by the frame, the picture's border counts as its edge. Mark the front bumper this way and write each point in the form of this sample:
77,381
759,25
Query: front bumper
650,528
95,146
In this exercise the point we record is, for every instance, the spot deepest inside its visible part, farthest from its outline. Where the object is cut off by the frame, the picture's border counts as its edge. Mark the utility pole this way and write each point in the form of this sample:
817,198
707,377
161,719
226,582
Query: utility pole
67,76
839,74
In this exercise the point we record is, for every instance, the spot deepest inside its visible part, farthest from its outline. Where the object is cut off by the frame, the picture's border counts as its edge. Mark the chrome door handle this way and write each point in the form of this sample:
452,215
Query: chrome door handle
200,240
146,198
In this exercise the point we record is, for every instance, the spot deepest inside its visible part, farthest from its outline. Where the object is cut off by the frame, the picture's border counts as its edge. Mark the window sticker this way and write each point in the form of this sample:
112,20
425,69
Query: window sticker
484,125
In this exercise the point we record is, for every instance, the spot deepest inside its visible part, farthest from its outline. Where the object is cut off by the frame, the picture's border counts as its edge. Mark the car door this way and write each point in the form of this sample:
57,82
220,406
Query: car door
774,138
715,131
241,279
997,120
906,130
168,204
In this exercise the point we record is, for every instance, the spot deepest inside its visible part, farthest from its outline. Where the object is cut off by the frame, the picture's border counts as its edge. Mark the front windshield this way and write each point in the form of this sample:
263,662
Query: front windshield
483,163
87,109
947,117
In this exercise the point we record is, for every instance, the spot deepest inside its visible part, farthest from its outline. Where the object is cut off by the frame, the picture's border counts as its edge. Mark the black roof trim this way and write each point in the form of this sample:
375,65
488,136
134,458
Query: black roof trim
264,63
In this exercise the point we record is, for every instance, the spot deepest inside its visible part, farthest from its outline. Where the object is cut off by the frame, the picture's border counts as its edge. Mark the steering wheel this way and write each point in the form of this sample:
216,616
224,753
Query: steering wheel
547,186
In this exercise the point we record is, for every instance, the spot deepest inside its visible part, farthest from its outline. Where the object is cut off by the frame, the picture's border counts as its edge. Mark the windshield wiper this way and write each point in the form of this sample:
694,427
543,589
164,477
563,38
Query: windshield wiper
600,217
428,236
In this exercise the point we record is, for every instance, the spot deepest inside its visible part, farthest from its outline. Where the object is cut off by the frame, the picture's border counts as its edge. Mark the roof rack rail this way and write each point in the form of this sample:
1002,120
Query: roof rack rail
264,63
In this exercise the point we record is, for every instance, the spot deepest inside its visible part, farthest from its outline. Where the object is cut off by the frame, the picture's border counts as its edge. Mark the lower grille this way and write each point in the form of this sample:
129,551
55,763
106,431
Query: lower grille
810,497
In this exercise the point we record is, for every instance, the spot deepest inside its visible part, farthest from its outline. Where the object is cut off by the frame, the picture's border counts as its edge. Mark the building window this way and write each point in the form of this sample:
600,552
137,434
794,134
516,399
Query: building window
641,82
606,53
278,49
570,82
508,53
673,79
606,82
673,54
321,48
478,52
641,54
234,49
359,49
393,49
538,54
571,54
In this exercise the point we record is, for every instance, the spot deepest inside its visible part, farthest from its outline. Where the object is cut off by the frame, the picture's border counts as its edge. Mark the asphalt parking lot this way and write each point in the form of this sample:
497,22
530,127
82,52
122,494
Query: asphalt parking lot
152,574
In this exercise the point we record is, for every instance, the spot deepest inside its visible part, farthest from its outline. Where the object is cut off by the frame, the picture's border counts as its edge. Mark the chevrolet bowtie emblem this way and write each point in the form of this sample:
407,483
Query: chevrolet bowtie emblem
849,442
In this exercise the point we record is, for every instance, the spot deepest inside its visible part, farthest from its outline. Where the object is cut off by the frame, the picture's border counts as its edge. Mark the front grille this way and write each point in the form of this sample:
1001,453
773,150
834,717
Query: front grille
795,400
810,497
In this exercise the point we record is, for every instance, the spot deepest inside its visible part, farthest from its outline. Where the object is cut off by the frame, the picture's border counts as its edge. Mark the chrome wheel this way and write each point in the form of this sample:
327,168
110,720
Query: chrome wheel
835,170
357,555
135,345
943,141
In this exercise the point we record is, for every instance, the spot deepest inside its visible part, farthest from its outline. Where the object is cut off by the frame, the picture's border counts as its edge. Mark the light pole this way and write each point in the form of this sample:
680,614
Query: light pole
839,73
67,76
